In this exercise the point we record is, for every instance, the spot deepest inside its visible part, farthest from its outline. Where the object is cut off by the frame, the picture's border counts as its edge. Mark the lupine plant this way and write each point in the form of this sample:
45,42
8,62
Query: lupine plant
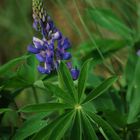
47,51
76,104
72,104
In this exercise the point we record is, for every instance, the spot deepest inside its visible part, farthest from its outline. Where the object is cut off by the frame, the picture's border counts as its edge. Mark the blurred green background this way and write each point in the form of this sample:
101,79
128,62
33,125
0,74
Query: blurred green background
106,30
75,20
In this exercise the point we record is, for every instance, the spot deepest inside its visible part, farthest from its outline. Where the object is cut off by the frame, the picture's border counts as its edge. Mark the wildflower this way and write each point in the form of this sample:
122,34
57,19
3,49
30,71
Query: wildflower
53,47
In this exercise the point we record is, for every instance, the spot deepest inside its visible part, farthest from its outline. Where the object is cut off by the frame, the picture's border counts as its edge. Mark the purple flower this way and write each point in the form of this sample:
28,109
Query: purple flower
36,25
32,49
40,57
74,73
39,44
43,70
53,47
56,35
69,65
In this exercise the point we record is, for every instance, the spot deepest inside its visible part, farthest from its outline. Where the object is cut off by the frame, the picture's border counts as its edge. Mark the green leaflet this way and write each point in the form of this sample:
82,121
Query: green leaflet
11,64
55,90
77,128
31,126
109,132
44,107
61,127
83,78
89,131
67,81
100,89
42,135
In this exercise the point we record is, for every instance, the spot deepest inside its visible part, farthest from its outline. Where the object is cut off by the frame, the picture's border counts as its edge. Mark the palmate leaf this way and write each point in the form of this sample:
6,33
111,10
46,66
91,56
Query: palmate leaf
11,64
55,90
57,128
44,107
109,132
100,89
46,131
67,81
83,78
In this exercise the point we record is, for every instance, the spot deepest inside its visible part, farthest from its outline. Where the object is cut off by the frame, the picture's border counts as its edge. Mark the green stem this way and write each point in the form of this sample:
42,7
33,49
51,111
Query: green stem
35,95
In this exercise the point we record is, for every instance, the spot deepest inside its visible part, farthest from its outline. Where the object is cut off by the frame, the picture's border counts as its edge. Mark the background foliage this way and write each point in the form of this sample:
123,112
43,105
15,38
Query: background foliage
107,31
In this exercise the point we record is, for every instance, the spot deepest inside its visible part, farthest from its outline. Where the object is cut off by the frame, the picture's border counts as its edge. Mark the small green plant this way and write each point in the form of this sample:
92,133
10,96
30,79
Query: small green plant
74,119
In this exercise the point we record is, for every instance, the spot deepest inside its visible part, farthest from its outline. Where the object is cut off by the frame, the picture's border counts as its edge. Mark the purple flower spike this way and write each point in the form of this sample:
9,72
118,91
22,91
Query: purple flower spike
75,73
52,48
